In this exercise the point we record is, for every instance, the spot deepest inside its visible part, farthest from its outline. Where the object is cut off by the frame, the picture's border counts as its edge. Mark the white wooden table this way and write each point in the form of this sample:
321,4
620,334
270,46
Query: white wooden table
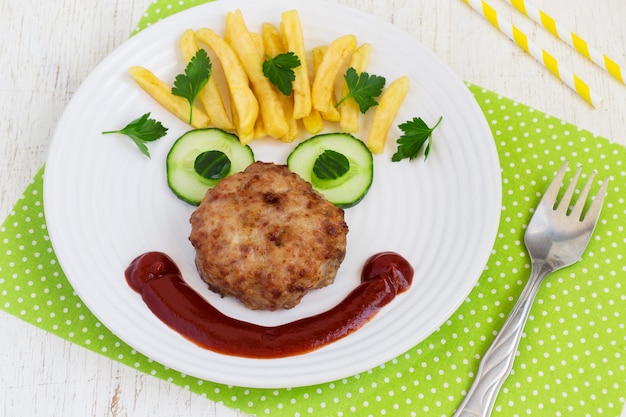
48,48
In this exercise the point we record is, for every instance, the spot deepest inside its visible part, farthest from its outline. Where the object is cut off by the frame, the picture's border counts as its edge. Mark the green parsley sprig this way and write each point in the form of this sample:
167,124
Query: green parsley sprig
279,70
363,88
416,134
141,130
196,75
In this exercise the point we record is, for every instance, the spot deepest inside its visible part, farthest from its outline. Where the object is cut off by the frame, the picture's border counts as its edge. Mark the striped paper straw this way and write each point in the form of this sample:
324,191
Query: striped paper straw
540,54
569,37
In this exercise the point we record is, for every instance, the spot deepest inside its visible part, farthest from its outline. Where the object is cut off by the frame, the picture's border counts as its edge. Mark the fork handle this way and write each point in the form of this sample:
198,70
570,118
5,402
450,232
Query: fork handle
497,362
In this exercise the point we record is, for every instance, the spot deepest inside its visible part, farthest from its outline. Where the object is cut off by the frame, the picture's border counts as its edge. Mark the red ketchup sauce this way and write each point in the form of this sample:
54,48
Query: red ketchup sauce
157,278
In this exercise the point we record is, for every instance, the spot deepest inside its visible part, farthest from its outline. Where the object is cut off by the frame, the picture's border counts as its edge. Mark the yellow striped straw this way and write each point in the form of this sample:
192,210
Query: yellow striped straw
569,37
540,54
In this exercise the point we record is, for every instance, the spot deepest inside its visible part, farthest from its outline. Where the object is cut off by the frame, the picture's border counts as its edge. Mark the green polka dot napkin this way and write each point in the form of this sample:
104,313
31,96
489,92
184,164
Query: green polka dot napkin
572,358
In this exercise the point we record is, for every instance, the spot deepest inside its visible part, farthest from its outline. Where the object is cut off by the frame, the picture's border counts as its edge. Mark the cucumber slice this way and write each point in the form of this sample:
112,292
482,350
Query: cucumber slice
182,177
347,189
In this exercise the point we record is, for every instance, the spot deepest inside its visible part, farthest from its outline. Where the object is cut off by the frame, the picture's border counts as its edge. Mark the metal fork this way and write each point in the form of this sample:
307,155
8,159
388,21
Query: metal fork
556,237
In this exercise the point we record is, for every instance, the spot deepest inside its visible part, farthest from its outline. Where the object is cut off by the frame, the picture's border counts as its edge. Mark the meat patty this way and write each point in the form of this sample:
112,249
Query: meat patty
266,237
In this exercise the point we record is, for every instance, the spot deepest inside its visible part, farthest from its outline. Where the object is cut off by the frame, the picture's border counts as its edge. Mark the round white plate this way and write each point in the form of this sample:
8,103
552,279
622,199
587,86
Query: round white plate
106,203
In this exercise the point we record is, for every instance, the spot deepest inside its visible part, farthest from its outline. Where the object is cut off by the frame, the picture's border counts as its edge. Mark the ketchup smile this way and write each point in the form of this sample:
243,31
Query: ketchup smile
156,277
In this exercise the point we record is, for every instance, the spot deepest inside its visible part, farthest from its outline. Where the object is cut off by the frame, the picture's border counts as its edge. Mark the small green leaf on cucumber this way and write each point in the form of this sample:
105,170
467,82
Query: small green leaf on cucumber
338,165
330,165
200,158
212,165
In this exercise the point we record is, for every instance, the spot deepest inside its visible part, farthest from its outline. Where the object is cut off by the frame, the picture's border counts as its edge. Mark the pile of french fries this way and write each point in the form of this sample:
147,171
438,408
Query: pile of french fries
257,108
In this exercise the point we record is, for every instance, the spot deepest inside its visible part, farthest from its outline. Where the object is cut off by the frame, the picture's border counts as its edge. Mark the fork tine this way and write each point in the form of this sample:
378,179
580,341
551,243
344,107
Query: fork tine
593,213
551,193
567,197
582,198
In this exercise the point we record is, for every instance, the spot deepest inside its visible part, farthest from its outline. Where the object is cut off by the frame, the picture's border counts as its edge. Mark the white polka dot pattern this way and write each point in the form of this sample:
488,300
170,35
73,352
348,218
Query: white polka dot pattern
571,358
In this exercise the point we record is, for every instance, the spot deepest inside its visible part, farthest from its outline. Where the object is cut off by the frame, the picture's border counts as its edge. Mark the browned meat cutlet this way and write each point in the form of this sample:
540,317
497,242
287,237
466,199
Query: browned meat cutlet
266,237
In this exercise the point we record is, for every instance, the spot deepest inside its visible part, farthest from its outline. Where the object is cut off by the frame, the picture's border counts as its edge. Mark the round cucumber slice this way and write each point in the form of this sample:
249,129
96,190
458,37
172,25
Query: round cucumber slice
348,188
182,177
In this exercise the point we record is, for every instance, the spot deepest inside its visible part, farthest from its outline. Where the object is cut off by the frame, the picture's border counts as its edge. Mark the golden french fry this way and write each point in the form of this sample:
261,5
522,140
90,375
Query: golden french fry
272,42
258,42
317,54
162,93
209,96
349,109
243,101
259,128
273,46
331,115
293,132
246,48
385,113
324,82
293,38
313,123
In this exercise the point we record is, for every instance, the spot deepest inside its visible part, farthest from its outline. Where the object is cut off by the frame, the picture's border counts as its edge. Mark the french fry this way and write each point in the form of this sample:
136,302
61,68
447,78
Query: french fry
209,96
385,113
273,46
334,58
293,131
349,109
293,38
243,101
331,115
256,38
259,129
258,42
317,54
313,123
272,42
247,49
162,93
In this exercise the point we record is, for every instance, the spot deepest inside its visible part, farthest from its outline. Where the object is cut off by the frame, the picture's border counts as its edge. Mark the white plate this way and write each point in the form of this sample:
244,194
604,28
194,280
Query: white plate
105,202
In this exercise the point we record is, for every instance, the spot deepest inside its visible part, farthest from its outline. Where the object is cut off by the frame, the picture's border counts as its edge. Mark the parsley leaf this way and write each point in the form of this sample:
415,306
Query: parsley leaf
196,75
331,165
279,70
141,130
363,88
416,133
